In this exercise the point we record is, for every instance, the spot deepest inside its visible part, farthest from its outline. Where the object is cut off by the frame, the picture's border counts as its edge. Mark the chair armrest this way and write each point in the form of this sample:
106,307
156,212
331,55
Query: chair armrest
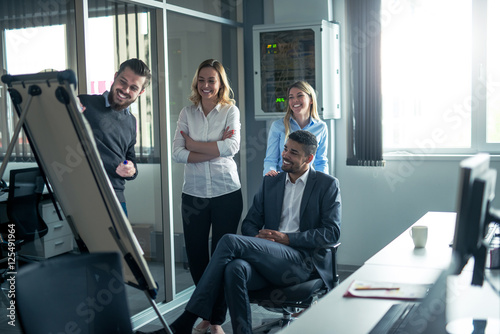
333,248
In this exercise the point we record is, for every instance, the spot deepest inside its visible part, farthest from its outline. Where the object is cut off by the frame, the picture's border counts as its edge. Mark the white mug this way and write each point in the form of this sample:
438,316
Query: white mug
419,235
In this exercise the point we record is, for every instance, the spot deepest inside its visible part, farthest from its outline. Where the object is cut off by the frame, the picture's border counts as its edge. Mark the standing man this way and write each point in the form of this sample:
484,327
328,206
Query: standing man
292,216
114,126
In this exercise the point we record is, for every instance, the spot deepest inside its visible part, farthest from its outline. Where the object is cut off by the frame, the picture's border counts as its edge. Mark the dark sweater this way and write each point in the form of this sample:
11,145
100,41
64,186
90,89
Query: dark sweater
115,135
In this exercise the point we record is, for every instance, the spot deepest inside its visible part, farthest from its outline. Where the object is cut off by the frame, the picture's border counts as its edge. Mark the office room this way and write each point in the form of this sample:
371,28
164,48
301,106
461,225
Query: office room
439,104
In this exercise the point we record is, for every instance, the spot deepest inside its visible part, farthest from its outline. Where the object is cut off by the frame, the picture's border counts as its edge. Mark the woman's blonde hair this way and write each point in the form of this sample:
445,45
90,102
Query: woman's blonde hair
313,110
225,95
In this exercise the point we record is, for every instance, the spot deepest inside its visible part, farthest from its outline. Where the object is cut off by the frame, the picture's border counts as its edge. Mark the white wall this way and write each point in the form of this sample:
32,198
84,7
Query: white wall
380,203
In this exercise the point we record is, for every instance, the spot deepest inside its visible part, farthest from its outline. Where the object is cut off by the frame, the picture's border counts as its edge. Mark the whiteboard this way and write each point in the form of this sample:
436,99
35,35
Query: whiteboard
63,142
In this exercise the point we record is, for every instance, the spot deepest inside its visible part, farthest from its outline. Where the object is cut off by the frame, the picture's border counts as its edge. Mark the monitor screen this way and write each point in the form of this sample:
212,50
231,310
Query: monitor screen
475,193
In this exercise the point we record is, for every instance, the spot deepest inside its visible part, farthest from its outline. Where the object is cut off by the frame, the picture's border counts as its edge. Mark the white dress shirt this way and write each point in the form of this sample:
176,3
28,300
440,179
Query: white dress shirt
218,176
290,213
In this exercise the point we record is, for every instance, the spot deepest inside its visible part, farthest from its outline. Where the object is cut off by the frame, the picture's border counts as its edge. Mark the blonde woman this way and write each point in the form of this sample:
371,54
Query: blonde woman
206,140
301,114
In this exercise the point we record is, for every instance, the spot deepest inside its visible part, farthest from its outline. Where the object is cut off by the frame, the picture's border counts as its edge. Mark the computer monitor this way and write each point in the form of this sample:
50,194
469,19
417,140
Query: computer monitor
474,213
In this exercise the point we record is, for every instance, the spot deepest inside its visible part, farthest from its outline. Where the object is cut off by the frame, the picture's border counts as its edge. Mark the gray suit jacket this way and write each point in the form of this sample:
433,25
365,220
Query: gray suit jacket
320,213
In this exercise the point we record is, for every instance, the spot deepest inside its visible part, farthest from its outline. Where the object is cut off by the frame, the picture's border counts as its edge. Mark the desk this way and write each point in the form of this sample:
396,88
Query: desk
437,252
397,262
336,314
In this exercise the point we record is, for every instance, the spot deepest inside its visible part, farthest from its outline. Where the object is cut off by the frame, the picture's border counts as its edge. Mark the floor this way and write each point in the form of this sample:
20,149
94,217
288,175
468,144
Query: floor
258,313
137,301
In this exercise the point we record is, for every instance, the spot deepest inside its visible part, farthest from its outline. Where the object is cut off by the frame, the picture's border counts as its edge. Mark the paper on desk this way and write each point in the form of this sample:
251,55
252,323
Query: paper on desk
386,290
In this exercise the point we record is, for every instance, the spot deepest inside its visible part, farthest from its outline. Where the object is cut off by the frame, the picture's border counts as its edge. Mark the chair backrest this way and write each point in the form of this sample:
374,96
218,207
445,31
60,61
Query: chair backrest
73,294
25,192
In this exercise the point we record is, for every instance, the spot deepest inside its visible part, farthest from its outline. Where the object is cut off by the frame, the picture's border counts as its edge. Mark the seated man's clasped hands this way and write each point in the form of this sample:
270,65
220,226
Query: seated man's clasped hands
293,215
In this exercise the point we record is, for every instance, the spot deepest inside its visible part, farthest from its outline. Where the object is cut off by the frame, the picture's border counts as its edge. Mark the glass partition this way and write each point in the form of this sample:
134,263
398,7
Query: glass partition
117,32
191,41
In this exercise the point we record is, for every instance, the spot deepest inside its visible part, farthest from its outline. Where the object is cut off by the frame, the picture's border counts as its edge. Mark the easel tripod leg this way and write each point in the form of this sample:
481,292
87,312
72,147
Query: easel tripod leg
160,317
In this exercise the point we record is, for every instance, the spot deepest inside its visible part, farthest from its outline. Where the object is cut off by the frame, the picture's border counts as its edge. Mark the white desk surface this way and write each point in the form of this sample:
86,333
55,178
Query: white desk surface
398,262
437,252
337,314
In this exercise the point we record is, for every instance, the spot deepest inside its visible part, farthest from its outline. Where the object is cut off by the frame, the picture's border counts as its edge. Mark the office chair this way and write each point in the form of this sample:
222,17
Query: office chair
23,209
291,299
72,293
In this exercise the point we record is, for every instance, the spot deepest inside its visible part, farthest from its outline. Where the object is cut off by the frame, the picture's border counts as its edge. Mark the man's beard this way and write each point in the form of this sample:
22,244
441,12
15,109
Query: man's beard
288,168
114,105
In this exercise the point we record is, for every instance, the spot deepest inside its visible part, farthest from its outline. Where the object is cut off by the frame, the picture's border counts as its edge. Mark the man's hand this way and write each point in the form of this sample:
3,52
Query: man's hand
126,169
82,107
275,236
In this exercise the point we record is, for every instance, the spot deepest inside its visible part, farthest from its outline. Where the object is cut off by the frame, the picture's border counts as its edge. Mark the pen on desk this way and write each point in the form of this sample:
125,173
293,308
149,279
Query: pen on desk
370,288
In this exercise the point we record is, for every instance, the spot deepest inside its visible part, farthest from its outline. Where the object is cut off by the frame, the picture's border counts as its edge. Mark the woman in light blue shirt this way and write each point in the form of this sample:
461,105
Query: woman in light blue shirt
301,114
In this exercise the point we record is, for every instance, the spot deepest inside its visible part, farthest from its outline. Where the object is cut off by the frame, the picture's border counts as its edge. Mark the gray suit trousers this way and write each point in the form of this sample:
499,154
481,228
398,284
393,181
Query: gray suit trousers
242,263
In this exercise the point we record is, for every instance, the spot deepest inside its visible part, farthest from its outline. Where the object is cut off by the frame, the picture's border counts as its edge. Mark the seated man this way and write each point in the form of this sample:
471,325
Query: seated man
292,215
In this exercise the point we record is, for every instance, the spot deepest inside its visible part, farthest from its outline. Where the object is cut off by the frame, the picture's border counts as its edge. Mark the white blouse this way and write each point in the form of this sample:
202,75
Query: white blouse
218,176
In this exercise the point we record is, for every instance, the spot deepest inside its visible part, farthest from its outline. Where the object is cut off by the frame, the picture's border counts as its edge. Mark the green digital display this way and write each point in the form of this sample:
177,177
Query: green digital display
286,56
272,48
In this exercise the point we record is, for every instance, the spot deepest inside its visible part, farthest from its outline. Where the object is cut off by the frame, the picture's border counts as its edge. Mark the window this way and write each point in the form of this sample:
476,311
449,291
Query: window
117,32
493,73
24,42
34,38
21,44
112,27
431,100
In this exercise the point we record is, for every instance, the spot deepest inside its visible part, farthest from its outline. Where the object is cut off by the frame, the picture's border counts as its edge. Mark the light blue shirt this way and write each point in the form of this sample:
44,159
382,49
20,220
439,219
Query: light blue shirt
106,101
276,144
